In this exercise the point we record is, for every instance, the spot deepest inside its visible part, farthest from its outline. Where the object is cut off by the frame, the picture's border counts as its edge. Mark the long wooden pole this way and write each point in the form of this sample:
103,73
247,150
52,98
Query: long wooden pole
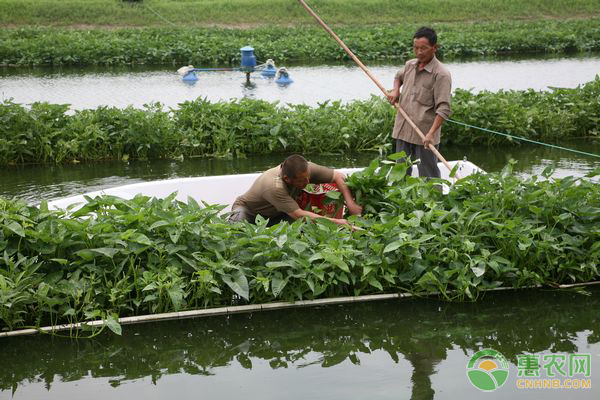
379,85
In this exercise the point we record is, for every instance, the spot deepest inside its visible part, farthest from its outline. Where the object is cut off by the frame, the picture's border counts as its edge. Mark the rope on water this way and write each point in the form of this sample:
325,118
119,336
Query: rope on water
523,139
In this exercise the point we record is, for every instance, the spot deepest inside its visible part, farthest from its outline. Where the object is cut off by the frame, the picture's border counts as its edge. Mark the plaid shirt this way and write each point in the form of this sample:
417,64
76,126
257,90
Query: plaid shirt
424,94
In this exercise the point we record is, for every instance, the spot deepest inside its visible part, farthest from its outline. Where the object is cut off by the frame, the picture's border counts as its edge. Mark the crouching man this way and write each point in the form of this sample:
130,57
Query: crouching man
273,194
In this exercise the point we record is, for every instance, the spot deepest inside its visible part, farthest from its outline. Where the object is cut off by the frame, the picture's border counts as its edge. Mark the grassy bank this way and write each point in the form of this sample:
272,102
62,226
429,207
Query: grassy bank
206,46
47,133
118,257
247,13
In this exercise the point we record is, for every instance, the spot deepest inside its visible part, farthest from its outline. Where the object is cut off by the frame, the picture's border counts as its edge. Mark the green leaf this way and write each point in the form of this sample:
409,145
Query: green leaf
343,278
158,224
375,283
279,264
366,270
280,240
174,234
595,172
106,251
454,170
238,283
112,323
337,261
334,194
392,246
311,285
176,296
150,298
277,284
16,228
86,254
397,173
70,312
315,257
478,270
397,156
299,247
141,239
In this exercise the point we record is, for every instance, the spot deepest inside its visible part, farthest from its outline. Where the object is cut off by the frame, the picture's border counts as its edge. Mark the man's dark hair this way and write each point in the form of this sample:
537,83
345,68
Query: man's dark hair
426,33
293,165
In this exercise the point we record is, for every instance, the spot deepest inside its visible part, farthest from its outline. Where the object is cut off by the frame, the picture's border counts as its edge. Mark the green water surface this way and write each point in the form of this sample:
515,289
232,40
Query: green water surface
411,348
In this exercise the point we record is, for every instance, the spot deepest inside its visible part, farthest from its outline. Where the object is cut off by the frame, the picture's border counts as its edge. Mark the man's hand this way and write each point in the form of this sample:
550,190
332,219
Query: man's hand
340,181
300,213
353,208
437,122
393,96
342,221
339,221
428,140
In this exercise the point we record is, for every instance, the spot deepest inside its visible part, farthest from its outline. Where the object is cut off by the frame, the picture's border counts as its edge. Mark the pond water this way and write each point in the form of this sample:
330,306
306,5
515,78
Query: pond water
34,183
411,348
122,86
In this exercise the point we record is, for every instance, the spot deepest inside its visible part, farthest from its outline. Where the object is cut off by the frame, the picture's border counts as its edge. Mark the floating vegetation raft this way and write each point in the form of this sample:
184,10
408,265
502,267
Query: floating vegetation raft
48,133
201,46
117,257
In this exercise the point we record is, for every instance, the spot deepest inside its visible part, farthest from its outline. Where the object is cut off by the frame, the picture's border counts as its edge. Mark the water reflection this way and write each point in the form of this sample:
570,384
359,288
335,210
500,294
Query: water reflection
248,88
328,341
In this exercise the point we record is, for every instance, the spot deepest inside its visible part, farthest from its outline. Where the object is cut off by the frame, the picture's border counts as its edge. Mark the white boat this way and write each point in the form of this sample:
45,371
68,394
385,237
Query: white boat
222,189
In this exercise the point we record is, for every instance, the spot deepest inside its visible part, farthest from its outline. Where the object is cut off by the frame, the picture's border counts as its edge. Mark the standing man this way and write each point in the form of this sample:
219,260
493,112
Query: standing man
426,86
273,194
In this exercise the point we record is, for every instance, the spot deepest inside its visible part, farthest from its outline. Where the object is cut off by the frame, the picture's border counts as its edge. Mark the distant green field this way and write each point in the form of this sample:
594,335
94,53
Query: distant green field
251,13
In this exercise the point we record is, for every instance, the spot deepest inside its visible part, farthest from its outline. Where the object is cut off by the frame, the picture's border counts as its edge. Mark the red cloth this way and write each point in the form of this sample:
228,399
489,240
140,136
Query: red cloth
316,198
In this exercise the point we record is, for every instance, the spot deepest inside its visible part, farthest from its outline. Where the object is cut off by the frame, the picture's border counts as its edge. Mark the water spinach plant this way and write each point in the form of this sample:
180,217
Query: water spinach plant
210,46
52,133
116,257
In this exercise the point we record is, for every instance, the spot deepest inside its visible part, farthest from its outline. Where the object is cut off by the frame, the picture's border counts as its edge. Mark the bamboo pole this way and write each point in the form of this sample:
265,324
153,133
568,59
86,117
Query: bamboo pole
379,85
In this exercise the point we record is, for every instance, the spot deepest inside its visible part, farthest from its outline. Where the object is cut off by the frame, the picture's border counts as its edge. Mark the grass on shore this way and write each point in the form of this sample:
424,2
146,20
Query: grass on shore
251,13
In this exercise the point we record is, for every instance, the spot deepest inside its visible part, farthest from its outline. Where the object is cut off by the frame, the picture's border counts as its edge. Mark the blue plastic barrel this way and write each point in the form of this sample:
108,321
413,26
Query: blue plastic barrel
284,77
269,70
190,77
248,58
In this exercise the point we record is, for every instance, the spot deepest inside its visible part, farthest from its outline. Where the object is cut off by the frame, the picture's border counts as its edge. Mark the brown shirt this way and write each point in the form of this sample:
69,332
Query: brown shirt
424,94
269,195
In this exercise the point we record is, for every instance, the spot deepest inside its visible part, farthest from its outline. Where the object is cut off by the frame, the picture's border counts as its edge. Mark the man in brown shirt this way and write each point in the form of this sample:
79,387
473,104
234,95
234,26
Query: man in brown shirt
273,194
426,86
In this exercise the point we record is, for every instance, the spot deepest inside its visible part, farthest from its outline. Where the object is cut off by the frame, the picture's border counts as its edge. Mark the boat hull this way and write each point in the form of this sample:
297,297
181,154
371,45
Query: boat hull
222,189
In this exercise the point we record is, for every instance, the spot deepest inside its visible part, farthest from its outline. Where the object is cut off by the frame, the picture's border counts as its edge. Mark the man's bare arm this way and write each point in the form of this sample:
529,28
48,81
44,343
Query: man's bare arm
340,180
300,213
